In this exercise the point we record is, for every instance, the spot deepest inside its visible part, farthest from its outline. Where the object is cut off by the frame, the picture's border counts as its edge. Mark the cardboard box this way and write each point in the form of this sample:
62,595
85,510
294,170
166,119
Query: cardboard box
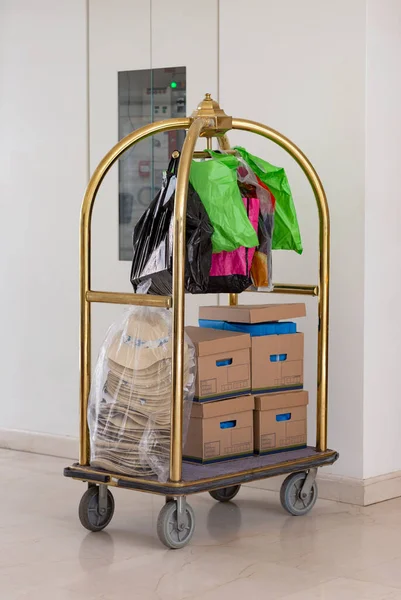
223,363
280,422
220,430
262,313
277,363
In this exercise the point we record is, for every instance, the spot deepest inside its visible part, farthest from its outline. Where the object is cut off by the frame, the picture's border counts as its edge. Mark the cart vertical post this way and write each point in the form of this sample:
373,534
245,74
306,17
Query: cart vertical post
233,299
85,330
180,210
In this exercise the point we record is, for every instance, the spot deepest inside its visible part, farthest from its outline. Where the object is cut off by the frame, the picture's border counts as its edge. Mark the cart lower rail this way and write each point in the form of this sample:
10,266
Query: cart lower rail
204,478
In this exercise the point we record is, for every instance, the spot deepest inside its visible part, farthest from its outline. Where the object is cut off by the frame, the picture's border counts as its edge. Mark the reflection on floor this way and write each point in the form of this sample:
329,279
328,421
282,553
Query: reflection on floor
248,549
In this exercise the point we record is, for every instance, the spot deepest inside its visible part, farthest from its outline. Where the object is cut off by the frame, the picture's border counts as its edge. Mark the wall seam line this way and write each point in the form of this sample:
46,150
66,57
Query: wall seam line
218,83
218,50
88,155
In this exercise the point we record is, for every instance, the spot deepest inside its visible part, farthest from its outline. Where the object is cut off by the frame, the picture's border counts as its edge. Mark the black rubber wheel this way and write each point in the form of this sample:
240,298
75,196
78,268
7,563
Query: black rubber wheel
290,495
89,513
167,526
225,494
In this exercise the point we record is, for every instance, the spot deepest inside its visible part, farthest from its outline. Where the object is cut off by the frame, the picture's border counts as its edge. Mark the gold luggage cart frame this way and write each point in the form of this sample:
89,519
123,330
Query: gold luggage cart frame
222,480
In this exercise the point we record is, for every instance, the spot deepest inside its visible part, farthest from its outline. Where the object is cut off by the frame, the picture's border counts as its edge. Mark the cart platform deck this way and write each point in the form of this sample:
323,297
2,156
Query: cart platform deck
203,478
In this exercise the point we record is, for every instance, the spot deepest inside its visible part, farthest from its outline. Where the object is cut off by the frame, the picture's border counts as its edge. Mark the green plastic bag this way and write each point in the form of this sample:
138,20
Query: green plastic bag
215,181
286,235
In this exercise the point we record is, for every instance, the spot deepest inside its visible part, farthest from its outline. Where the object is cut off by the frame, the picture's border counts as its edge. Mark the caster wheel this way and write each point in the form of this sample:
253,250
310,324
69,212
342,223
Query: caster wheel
167,526
290,495
225,494
89,512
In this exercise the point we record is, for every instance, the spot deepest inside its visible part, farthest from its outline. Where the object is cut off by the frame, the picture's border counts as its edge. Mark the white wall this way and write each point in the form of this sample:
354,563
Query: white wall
300,68
382,406
194,44
297,66
119,40
45,48
43,156
138,37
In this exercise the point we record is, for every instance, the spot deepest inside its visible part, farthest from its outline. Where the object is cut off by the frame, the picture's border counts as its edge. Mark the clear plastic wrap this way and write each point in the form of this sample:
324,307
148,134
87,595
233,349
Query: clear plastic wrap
251,187
262,264
231,271
129,413
286,234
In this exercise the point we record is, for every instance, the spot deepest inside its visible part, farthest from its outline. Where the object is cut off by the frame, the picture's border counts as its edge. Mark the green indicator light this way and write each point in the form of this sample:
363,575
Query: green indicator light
173,84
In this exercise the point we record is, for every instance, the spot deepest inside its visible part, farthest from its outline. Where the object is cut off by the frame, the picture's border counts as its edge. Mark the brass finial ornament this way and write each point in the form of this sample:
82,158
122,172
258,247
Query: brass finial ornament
210,109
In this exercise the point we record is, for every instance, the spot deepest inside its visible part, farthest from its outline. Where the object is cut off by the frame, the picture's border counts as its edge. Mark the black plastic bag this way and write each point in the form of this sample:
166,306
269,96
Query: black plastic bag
152,262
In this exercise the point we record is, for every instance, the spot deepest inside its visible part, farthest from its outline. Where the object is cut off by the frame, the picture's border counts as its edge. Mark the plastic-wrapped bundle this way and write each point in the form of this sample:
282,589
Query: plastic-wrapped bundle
286,234
130,399
262,265
152,262
231,271
252,267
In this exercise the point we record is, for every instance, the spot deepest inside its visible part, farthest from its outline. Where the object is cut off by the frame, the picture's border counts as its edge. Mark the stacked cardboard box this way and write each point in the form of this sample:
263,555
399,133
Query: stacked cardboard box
223,363
276,358
220,430
280,421
245,350
221,424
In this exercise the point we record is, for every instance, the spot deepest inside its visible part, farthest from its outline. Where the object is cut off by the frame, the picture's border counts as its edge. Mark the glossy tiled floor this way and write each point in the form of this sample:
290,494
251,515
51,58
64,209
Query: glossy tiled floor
249,549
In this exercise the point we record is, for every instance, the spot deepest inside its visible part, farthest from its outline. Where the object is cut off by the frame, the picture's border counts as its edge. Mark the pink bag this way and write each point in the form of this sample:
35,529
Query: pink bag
230,271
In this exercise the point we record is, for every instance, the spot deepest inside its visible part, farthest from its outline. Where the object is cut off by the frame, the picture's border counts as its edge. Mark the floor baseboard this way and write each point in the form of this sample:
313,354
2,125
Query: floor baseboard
40,443
331,487
360,492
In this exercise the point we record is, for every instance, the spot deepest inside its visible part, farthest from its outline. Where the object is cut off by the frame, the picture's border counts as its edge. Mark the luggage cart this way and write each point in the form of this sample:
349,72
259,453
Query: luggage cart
222,480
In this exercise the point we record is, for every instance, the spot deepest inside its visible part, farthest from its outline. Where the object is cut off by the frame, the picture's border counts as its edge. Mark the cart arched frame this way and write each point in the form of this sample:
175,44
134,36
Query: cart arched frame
209,125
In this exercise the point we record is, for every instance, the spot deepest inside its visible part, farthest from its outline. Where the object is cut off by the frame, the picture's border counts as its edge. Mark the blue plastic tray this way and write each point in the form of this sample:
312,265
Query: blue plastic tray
254,329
